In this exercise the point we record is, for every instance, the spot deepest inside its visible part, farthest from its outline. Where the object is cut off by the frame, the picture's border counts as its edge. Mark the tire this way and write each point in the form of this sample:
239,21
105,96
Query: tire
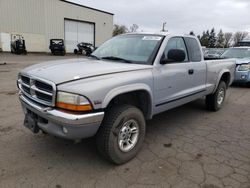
215,101
113,130
248,84
75,51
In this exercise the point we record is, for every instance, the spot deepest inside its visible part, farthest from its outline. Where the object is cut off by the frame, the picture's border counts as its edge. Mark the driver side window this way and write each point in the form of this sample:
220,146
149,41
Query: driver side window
176,43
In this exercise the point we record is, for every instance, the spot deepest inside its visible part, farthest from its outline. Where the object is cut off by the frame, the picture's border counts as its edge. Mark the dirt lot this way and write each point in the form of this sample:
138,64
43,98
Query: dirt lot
185,147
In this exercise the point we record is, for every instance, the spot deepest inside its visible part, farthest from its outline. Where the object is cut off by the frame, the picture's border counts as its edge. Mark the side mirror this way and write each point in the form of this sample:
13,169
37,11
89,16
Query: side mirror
174,55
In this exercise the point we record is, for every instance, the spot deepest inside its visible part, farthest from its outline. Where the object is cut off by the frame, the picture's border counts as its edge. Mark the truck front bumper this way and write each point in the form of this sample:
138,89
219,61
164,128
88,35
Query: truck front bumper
62,124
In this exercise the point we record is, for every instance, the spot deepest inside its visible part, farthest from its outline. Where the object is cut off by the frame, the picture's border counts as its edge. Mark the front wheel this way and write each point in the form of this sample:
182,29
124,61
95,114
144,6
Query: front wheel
63,53
121,134
215,101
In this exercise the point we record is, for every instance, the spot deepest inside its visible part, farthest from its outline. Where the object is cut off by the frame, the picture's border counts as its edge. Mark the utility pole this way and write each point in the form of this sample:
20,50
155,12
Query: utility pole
163,27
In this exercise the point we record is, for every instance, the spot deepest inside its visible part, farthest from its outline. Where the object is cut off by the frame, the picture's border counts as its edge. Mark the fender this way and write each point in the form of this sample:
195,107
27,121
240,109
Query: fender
129,88
219,78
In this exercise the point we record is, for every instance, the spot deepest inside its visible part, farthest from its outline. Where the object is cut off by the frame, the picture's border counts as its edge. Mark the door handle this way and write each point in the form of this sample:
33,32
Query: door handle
191,71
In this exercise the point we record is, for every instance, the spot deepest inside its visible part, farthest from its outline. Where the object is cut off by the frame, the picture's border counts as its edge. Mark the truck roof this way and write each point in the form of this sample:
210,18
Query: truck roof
159,33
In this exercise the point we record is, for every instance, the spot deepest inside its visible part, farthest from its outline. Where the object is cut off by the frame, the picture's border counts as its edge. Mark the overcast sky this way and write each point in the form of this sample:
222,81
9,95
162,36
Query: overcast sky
181,16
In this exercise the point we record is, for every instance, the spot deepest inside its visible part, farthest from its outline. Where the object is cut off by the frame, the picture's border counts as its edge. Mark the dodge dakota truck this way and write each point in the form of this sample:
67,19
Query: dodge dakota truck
126,81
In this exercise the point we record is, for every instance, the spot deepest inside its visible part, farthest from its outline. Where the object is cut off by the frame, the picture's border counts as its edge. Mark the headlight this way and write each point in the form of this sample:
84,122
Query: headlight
244,67
70,101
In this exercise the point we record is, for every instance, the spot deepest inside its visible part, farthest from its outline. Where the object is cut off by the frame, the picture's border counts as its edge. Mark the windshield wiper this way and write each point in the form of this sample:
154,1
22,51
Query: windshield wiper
94,57
116,58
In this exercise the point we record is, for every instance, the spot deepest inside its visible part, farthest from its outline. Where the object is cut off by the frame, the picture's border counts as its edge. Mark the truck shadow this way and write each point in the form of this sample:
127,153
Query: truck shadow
84,154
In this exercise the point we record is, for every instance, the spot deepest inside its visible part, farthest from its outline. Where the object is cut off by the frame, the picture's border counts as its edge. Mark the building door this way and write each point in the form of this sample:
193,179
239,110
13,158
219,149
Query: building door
76,32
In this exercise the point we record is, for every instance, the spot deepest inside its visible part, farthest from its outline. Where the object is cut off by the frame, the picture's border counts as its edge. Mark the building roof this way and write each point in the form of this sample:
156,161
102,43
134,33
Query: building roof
76,4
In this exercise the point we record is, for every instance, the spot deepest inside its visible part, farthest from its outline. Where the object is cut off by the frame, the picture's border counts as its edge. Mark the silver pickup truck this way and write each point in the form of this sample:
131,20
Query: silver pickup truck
125,82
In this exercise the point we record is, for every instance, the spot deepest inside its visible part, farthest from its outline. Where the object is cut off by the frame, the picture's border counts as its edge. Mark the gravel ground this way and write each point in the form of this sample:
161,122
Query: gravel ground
184,147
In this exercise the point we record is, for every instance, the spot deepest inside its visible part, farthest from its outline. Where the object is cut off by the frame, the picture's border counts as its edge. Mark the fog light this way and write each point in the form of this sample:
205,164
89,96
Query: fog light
243,77
65,131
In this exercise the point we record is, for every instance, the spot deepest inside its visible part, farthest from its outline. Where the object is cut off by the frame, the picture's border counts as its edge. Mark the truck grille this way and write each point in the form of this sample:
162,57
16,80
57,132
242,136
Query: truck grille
39,90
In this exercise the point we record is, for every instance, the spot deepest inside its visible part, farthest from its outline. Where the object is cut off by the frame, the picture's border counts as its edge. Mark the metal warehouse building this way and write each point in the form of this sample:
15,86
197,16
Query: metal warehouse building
38,21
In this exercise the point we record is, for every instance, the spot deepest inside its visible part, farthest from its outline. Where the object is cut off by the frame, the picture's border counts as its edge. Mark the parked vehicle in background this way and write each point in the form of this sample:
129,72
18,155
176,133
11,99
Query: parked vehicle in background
124,82
243,43
87,48
57,46
242,56
17,44
213,53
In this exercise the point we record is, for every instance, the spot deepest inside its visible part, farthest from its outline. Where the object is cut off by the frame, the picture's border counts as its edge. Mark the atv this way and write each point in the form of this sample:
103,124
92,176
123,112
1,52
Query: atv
17,44
88,48
57,46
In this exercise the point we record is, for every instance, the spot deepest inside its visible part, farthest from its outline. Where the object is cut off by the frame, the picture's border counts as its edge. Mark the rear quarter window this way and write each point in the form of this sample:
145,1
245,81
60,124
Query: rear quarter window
193,48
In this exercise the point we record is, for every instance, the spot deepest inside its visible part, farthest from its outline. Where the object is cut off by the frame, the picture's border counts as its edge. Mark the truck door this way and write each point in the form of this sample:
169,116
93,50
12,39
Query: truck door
173,81
197,65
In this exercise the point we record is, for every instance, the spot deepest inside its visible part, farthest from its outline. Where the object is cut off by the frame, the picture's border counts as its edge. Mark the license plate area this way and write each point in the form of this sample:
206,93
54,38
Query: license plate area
30,121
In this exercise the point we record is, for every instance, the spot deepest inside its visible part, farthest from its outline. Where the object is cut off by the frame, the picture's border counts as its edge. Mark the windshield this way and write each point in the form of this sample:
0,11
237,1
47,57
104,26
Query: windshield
237,53
139,49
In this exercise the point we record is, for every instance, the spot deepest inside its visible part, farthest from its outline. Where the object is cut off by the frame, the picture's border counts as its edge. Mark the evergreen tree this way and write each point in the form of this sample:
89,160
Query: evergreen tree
220,40
212,39
204,38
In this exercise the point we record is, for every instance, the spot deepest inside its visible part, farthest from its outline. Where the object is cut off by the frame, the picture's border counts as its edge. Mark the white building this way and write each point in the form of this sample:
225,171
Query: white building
38,21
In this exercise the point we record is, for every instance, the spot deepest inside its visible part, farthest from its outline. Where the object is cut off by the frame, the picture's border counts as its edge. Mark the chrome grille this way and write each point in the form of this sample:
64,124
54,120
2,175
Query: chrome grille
37,89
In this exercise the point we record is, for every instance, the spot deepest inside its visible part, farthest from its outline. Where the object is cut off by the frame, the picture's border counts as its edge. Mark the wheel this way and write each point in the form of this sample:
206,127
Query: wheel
75,51
121,134
88,53
18,52
215,101
63,53
248,84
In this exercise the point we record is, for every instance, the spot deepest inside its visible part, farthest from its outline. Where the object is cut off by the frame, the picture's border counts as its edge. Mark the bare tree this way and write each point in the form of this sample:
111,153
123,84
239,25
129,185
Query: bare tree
239,36
119,29
228,38
134,28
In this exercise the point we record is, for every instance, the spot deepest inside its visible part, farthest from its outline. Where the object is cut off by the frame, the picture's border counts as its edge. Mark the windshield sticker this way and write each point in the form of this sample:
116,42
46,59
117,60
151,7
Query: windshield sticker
151,38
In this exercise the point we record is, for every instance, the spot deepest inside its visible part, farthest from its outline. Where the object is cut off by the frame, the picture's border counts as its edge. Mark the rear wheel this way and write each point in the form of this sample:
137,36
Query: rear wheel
121,134
215,101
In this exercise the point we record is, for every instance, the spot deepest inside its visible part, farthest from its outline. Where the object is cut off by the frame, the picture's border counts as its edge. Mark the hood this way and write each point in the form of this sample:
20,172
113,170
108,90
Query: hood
242,61
74,69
